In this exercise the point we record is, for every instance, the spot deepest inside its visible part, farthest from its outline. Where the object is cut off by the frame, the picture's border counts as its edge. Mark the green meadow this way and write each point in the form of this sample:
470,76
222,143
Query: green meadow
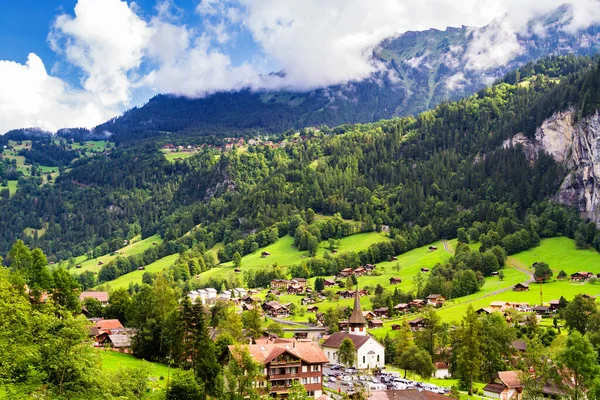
12,187
172,156
137,247
136,276
113,361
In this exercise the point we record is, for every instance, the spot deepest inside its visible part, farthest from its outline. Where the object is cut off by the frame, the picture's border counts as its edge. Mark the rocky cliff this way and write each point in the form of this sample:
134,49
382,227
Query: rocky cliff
578,147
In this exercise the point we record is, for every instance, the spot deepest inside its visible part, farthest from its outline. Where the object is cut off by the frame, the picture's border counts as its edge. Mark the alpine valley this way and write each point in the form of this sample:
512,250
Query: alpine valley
437,185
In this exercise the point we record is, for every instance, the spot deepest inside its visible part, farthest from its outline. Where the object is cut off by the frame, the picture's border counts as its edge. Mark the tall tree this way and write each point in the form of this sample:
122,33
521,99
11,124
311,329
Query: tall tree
580,359
578,312
241,375
468,352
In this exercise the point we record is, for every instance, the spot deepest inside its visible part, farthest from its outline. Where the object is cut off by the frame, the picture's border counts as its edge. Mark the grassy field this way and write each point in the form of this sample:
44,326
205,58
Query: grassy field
136,276
283,253
171,156
561,254
30,231
113,362
137,247
92,145
12,187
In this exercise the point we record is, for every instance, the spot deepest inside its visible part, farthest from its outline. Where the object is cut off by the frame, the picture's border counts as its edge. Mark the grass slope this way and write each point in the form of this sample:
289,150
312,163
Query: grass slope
136,276
137,247
113,362
283,253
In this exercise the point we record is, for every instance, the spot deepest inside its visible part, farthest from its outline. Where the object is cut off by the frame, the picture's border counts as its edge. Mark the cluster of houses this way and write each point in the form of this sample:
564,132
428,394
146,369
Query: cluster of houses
230,143
541,310
109,333
292,286
360,271
210,295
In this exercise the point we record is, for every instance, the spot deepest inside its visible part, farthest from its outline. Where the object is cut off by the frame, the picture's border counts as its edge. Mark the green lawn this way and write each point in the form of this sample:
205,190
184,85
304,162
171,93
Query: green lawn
283,253
113,362
171,156
12,187
561,254
92,145
137,247
136,276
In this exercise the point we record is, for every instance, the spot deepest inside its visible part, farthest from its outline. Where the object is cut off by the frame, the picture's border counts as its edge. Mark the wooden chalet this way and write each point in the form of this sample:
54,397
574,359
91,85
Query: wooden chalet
381,312
328,282
275,309
424,269
360,271
432,248
375,323
417,303
394,280
581,276
436,300
521,287
504,385
396,327
542,310
554,304
312,309
307,300
417,324
369,315
346,272
265,254
402,307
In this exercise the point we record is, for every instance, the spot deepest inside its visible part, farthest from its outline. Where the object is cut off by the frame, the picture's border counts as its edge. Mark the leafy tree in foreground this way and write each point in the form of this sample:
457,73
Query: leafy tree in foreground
580,359
578,312
183,386
468,357
542,272
241,373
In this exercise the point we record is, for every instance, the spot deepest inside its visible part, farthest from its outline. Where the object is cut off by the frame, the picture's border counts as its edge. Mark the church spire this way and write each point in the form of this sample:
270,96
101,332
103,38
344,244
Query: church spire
357,321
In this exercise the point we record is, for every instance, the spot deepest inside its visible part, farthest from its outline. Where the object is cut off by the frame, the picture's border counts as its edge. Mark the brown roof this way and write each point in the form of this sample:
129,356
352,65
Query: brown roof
109,324
510,378
357,316
441,365
494,388
100,296
306,351
337,338
411,394
520,345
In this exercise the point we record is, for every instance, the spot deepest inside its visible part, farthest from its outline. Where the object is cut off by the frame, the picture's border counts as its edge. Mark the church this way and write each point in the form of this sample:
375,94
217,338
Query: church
369,352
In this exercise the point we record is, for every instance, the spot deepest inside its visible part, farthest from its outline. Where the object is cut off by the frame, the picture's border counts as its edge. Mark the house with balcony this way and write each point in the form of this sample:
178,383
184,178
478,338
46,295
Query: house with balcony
289,361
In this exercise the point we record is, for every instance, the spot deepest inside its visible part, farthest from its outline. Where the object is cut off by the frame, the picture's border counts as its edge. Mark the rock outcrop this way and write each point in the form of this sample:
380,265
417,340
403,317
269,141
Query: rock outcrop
577,146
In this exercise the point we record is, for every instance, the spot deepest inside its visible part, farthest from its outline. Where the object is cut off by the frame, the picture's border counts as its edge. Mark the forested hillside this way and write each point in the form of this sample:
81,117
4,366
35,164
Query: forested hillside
417,71
434,173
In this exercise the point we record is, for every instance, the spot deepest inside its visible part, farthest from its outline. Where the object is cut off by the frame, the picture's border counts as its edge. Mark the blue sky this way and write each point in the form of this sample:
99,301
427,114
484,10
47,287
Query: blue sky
71,63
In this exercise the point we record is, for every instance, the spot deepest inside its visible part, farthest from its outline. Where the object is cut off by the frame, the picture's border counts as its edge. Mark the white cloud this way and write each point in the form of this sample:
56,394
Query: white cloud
32,98
119,54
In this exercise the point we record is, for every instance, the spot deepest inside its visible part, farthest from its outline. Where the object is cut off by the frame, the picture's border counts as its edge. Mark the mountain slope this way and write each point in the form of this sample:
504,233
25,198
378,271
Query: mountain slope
419,70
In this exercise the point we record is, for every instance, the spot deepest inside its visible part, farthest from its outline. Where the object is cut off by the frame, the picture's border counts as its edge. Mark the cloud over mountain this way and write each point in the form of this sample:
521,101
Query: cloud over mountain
120,51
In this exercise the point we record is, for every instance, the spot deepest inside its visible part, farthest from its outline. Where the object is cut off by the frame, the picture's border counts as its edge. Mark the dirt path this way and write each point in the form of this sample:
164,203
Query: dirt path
447,247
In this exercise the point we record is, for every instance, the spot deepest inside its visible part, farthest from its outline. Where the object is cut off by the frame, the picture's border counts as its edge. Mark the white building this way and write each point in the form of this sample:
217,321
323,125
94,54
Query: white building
239,292
369,352
225,295
203,294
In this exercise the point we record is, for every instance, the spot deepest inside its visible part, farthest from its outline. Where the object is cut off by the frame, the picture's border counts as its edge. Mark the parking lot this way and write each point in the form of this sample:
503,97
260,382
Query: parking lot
349,380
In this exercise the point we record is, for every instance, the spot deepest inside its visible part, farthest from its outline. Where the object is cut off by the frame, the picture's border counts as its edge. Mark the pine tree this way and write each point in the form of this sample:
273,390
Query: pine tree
468,357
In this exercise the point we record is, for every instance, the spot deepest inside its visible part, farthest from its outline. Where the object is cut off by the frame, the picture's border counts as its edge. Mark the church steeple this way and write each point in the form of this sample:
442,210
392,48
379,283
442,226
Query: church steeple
357,321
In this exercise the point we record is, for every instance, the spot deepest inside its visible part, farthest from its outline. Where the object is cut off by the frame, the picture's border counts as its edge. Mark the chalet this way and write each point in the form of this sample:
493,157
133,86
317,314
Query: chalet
521,307
542,310
424,269
346,272
370,267
401,307
265,254
306,300
100,263
417,303
286,362
120,342
375,323
499,305
247,307
312,309
279,284
102,297
484,310
346,294
521,287
141,268
381,312
275,309
417,324
504,385
394,280
237,270
396,327
78,266
554,304
394,258
495,273
581,276
432,248
441,370
369,315
360,271
328,282
239,292
436,300
295,289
